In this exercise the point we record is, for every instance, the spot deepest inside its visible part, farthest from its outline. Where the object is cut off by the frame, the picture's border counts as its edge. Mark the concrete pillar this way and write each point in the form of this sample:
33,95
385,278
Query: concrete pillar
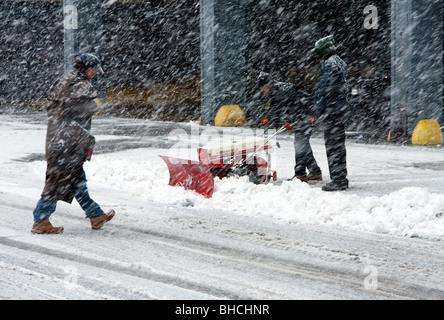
70,26
417,63
82,28
223,75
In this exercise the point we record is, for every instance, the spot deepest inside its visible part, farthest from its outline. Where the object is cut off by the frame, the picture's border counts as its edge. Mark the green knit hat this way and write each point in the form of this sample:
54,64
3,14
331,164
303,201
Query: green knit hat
325,47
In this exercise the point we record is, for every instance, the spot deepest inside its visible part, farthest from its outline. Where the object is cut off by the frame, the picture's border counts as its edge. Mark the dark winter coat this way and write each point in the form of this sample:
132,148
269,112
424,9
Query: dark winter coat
332,90
68,141
288,104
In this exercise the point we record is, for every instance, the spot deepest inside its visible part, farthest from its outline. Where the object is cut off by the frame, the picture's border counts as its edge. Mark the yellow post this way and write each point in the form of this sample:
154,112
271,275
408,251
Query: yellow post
230,116
427,131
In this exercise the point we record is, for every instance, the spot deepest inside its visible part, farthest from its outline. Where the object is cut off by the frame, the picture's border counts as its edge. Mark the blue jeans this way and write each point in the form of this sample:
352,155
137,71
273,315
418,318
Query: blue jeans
46,207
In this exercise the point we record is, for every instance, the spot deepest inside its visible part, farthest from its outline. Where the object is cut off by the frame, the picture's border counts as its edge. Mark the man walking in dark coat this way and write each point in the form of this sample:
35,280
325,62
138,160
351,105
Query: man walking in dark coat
69,144
287,104
332,96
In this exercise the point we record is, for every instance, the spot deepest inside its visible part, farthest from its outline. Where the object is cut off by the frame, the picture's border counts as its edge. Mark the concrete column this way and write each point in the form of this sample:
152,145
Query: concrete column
223,75
417,63
82,31
82,28
70,27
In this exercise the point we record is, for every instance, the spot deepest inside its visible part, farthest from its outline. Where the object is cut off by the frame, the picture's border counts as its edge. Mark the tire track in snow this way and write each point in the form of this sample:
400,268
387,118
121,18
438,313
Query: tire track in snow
166,279
20,279
276,267
293,269
261,263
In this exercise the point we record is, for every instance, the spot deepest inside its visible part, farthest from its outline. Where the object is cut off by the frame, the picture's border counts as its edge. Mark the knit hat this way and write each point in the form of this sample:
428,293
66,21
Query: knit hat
90,60
325,47
264,79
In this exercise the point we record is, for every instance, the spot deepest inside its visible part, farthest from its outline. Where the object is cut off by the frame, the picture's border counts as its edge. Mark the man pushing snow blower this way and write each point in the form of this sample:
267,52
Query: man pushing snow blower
241,157
288,104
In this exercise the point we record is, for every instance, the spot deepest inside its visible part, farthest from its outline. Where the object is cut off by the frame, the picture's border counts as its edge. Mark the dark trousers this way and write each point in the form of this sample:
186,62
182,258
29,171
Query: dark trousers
334,136
304,158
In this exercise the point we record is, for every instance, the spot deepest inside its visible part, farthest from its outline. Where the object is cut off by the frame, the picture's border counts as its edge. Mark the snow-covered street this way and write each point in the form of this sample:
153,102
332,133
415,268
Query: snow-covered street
383,238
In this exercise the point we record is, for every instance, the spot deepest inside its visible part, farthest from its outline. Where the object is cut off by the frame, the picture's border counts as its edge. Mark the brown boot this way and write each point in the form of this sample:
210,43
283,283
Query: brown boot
314,177
44,226
302,178
98,222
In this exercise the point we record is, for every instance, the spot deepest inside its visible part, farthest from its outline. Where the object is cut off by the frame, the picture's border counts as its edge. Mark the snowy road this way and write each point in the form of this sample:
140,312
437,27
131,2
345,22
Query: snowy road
369,242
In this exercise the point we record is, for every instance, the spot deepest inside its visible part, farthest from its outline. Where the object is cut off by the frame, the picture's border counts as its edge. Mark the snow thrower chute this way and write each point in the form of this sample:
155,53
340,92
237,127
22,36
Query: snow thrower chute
236,158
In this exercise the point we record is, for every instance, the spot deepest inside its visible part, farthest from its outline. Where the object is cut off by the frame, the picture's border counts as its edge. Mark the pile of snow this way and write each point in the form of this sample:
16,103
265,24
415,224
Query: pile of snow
408,212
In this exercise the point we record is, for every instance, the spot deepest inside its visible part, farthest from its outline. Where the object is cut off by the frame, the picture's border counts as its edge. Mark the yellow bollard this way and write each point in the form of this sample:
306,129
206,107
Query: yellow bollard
427,131
230,116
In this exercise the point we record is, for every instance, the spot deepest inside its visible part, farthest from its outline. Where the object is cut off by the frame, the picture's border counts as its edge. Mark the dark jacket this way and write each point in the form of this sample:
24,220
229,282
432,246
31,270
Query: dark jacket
68,140
332,90
287,104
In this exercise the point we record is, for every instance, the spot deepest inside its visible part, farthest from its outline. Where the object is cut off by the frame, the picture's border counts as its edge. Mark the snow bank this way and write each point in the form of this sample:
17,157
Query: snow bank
407,212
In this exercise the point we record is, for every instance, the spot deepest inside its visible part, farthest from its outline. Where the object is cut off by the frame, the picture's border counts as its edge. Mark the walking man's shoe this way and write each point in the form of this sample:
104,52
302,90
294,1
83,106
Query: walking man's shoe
98,222
335,186
44,226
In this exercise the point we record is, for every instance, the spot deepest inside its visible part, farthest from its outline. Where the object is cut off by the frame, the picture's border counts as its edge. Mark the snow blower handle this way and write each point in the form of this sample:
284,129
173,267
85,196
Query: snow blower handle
286,126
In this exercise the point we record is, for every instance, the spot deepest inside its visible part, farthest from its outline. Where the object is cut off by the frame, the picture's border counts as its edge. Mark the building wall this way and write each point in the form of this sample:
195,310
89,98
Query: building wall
31,48
149,43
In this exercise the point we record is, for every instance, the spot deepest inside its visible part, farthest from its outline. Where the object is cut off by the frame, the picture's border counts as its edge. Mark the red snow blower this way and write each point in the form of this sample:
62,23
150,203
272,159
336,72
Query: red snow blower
236,158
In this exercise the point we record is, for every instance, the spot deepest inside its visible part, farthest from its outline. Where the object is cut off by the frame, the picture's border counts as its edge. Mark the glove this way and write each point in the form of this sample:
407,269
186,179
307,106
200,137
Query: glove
264,122
312,120
287,126
89,155
99,107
